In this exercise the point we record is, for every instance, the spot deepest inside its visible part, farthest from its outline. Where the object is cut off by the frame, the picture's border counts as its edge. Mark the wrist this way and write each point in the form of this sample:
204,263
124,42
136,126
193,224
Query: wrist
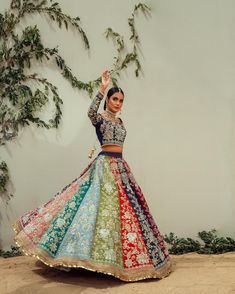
102,89
100,94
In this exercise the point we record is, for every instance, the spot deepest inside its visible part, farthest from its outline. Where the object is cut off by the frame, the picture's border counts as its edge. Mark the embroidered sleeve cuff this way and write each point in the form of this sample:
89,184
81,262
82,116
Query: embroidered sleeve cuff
100,95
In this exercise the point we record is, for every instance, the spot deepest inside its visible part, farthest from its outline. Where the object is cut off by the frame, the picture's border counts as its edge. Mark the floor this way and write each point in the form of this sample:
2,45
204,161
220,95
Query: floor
193,274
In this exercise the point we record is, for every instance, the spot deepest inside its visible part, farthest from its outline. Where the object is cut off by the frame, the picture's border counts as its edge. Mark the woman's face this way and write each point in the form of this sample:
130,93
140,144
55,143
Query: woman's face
115,102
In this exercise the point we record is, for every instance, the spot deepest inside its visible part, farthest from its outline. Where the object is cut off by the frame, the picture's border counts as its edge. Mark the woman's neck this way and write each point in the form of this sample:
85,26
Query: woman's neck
111,114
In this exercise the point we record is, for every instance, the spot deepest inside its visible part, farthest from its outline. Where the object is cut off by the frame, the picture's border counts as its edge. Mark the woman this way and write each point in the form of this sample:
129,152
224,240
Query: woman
101,221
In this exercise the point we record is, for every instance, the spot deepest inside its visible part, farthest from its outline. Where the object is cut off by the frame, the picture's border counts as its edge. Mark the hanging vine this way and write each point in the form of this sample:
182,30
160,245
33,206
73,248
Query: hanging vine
124,58
24,95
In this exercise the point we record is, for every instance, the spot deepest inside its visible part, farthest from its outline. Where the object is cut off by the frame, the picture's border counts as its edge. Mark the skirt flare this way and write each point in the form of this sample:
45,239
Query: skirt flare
100,222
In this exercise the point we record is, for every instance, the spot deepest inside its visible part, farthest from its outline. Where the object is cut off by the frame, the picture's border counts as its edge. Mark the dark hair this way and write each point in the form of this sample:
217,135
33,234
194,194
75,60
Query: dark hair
112,91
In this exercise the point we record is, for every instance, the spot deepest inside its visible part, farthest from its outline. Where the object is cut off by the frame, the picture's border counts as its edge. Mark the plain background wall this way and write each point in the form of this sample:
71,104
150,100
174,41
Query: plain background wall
179,114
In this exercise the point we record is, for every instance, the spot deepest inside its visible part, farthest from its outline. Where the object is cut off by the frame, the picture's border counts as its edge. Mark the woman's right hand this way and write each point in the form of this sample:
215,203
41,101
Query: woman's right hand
105,79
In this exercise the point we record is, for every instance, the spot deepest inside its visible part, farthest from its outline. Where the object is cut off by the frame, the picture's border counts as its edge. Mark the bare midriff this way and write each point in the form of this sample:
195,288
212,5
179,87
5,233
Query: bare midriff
112,148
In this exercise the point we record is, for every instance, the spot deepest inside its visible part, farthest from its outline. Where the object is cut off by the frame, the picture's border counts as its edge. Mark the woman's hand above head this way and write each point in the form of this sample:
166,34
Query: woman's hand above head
105,80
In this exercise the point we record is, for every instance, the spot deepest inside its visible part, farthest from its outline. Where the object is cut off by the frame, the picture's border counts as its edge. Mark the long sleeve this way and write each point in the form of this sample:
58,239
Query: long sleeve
93,114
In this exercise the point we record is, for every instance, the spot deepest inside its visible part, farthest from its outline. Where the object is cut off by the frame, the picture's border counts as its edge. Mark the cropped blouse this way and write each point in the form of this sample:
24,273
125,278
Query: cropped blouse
109,129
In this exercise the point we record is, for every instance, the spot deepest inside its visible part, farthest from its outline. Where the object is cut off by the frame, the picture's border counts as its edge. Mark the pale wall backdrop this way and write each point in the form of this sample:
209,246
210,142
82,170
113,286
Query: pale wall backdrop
179,114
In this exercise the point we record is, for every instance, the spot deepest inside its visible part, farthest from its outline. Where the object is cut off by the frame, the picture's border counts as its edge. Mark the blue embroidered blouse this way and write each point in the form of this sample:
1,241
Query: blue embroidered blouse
109,129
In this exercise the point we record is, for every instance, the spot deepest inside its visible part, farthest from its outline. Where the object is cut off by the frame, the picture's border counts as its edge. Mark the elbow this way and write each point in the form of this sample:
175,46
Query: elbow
91,116
89,113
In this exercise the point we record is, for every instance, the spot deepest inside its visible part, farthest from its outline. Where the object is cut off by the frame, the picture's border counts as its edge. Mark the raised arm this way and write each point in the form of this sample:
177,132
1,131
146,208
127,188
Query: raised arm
93,114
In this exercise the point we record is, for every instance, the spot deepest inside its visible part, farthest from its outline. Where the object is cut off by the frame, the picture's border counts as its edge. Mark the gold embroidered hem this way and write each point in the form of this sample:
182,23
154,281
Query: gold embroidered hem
100,222
127,275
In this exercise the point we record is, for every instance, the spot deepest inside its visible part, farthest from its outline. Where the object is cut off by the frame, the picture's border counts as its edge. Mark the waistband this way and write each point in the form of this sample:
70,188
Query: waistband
113,154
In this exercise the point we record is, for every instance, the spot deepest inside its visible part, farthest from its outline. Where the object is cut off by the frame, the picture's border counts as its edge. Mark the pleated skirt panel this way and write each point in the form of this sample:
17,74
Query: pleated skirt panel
100,222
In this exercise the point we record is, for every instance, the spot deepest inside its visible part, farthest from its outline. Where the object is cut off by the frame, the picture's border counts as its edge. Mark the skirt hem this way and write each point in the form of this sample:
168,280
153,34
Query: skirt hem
127,275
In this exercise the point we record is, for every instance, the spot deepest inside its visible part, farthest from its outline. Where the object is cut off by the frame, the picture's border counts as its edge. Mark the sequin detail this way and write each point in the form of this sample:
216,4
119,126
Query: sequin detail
107,246
101,222
108,130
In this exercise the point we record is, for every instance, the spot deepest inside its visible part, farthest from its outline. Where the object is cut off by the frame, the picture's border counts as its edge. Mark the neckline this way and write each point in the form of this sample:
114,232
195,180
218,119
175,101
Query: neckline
112,119
111,114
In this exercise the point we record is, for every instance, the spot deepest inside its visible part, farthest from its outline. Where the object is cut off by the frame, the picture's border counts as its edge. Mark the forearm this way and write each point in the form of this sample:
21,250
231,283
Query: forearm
93,109
102,89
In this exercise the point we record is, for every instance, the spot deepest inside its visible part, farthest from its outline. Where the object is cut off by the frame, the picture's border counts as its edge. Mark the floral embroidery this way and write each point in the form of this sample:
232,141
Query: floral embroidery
101,218
153,240
142,258
108,187
131,237
146,210
47,217
107,245
109,131
103,233
56,232
93,109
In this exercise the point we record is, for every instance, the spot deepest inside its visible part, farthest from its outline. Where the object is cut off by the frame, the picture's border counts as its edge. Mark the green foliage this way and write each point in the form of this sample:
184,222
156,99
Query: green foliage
214,244
4,176
15,251
51,10
181,245
124,58
24,95
210,243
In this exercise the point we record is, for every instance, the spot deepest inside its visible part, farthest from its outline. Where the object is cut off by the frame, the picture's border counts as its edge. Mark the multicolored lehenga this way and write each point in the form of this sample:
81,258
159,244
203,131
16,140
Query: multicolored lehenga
100,222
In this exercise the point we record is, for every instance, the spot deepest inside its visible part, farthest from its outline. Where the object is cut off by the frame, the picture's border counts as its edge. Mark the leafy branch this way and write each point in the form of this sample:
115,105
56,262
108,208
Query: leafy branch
210,243
4,181
53,11
15,251
123,60
4,176
24,95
